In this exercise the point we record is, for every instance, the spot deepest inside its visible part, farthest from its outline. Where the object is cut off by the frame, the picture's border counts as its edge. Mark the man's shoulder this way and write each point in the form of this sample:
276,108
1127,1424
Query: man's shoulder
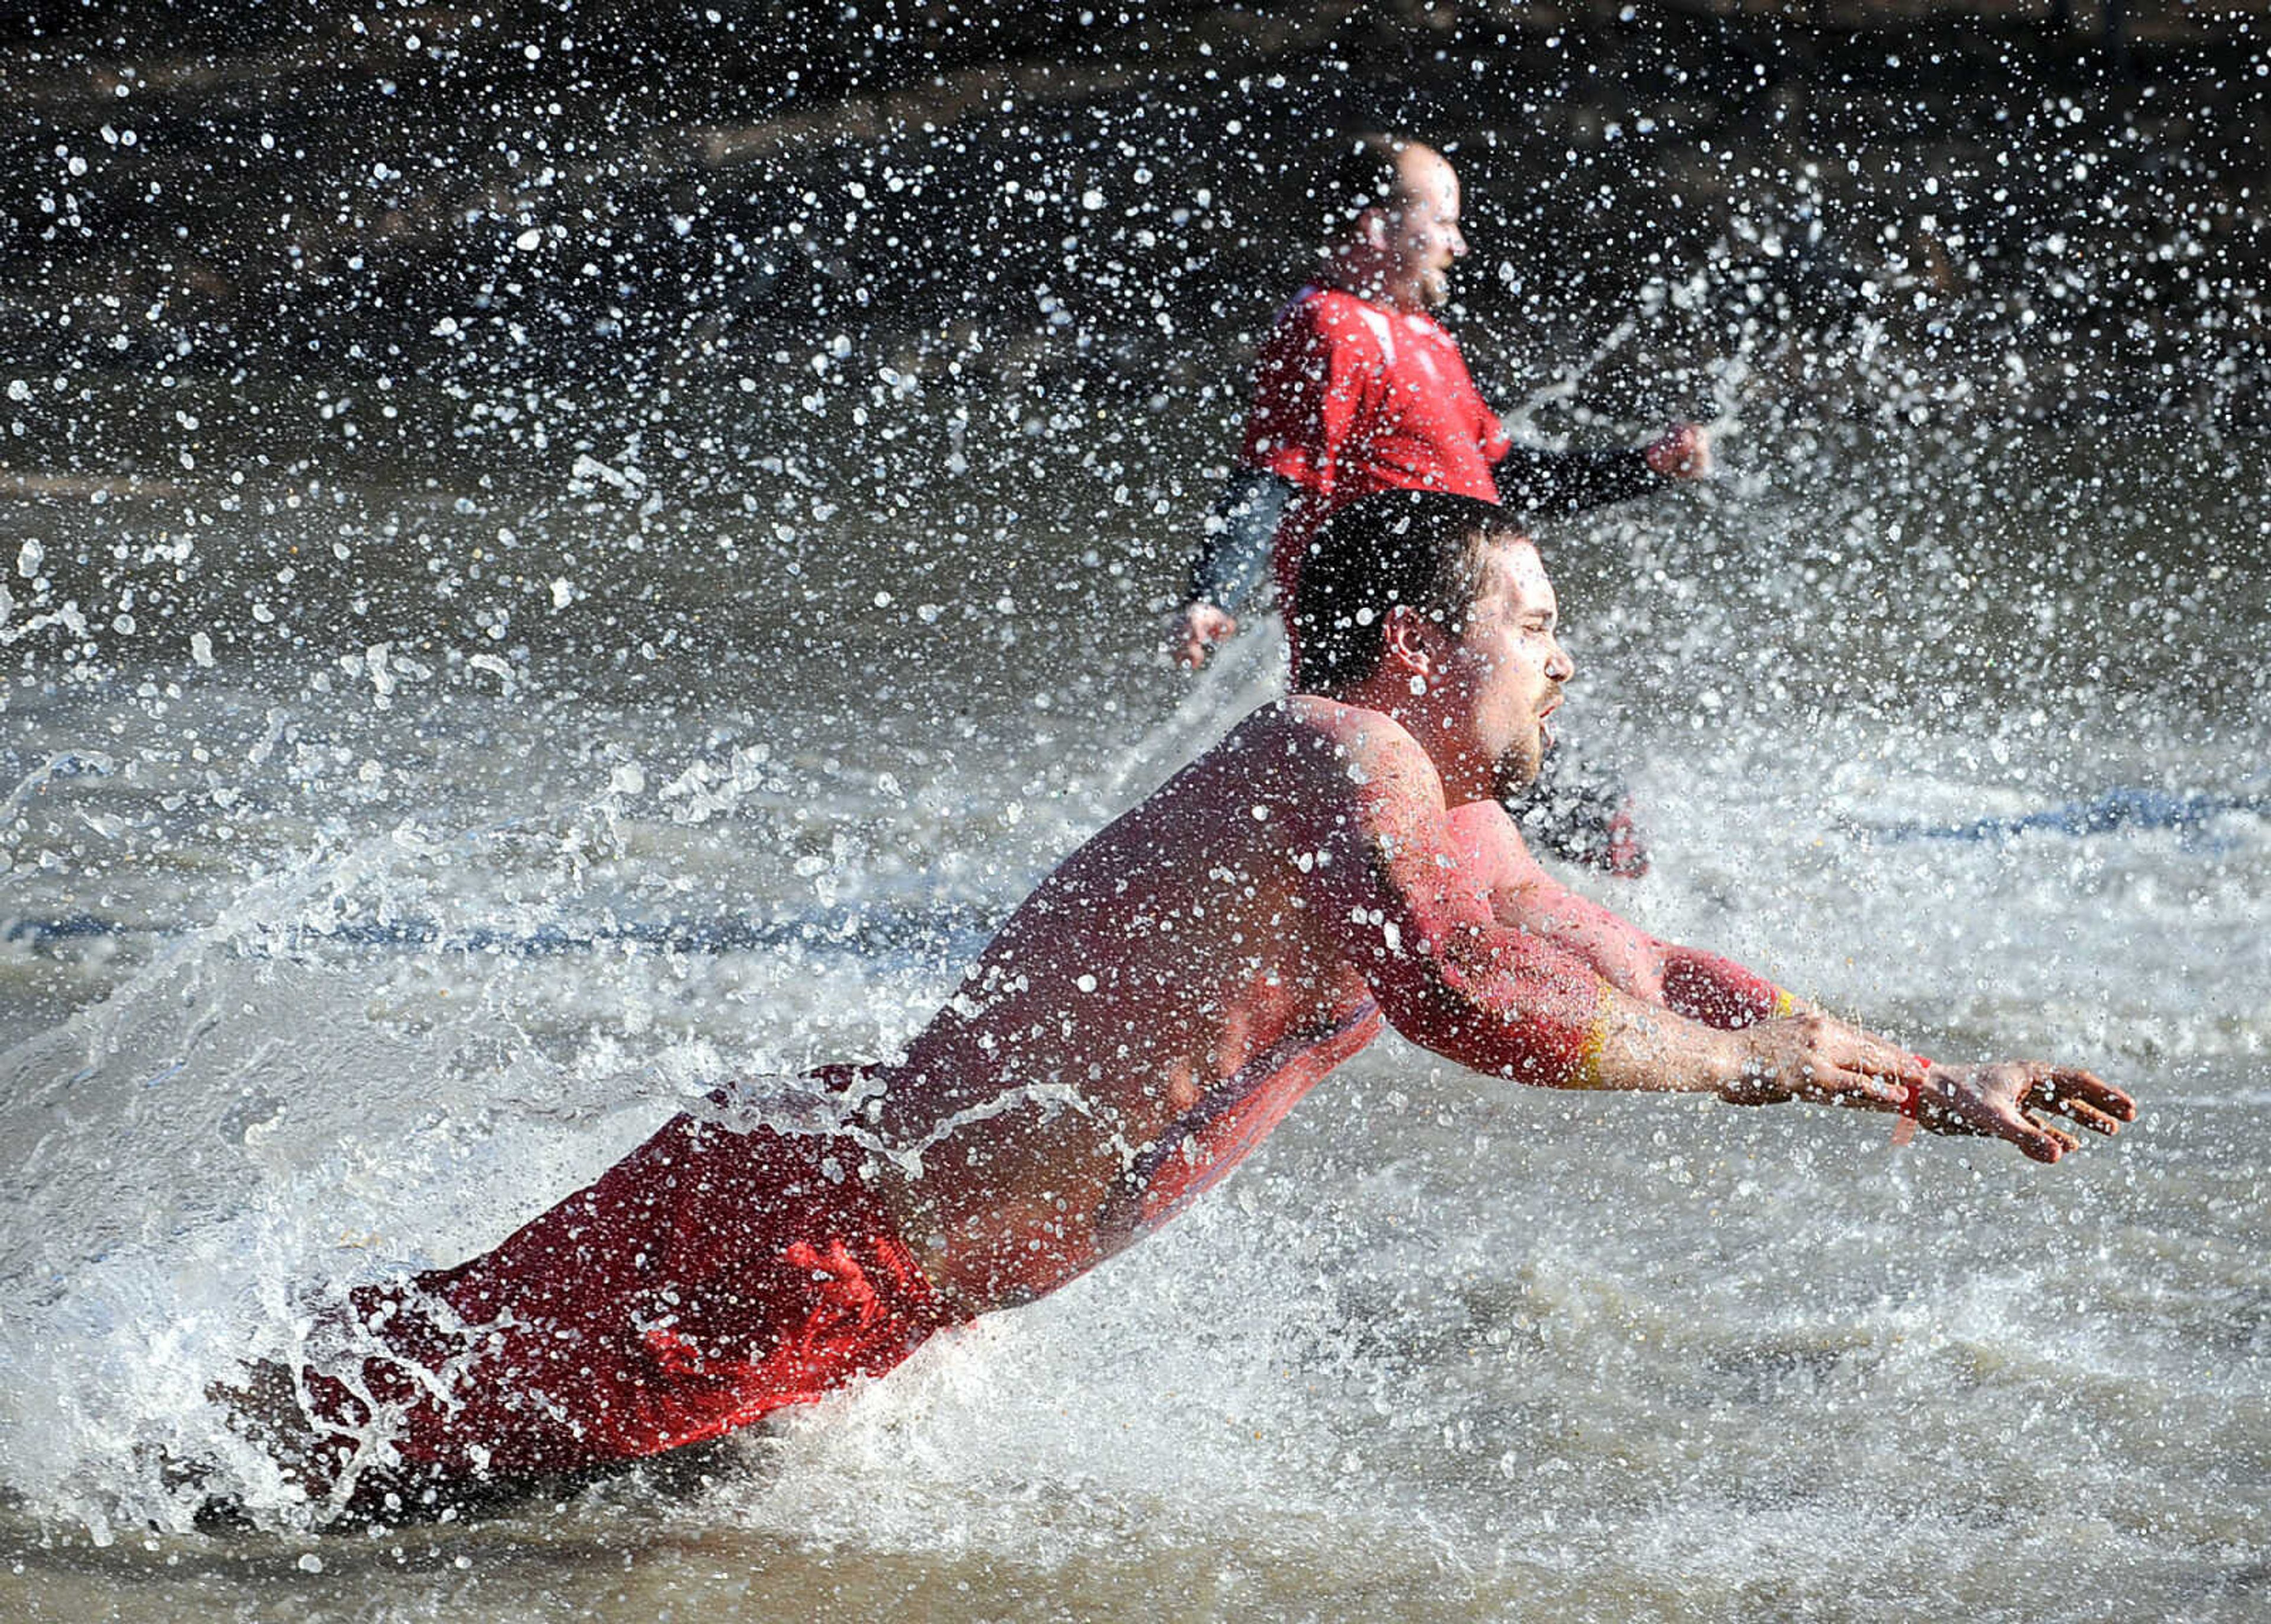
1311,730
1306,715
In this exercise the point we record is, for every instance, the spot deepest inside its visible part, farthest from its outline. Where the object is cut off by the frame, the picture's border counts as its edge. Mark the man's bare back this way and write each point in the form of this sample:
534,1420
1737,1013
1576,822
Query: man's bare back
1122,1010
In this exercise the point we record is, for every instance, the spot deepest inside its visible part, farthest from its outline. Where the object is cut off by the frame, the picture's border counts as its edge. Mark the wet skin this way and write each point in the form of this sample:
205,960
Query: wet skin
1330,853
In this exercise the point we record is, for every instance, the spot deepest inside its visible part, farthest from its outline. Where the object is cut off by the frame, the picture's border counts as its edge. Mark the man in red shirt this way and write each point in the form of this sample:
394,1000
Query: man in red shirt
1358,389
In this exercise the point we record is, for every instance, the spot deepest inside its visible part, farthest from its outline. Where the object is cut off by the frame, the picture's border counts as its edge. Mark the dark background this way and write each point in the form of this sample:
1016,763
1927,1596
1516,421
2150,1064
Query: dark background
1865,208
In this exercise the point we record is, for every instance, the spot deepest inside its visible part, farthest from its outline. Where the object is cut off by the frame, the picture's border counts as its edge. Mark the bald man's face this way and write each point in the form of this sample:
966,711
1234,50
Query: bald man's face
1425,227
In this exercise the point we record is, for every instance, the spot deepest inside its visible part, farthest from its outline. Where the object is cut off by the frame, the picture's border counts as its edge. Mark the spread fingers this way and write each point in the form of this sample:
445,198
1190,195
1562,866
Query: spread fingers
2086,1115
2063,1089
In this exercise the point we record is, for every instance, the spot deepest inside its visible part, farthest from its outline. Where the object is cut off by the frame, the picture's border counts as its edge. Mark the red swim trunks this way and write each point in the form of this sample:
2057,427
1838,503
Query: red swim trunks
710,1278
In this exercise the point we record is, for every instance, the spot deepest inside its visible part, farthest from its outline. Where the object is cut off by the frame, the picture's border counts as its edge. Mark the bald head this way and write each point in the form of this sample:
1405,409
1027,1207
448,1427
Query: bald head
1400,202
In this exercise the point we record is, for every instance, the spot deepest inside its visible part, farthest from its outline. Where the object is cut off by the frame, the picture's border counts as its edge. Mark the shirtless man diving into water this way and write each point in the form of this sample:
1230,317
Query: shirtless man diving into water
1339,863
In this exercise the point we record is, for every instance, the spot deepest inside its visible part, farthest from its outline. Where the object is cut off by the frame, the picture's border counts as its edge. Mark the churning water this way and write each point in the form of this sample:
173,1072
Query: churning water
382,860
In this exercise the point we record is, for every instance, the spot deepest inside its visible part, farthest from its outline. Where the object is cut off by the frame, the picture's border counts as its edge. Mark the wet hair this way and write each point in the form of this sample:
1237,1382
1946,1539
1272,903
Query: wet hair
1423,548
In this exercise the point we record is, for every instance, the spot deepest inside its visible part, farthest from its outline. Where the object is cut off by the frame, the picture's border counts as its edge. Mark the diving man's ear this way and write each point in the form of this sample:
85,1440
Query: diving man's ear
1375,226
1408,639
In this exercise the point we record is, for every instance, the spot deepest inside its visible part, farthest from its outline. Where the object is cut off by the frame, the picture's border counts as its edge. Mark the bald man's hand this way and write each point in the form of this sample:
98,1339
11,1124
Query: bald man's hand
1193,631
1682,452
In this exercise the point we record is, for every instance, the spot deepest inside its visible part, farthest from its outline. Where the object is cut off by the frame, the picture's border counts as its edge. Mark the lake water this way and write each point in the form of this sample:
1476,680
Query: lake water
385,858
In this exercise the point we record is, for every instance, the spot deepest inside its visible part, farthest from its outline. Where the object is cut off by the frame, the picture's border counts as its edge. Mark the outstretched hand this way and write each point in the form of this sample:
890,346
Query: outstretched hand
1193,631
1682,452
1999,1100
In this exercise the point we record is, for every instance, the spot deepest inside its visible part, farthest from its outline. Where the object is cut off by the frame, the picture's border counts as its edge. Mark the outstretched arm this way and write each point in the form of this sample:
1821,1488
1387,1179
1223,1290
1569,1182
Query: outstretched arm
1232,556
1434,923
1410,892
1543,484
1690,981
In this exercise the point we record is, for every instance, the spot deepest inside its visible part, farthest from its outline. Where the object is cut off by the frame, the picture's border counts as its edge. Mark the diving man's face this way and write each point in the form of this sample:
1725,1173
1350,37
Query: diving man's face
1503,677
